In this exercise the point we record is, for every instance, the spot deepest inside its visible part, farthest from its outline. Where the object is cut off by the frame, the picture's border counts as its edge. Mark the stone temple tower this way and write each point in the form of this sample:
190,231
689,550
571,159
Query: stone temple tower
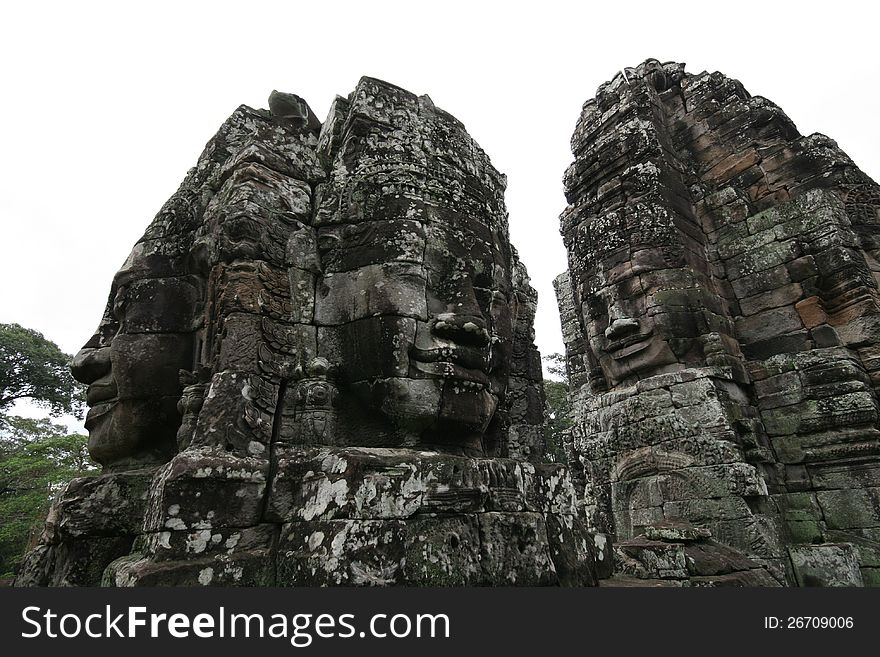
317,368
721,316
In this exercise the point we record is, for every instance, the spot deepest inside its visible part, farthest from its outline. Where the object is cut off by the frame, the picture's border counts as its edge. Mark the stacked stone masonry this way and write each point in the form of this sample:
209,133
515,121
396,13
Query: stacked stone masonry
317,365
317,368
720,315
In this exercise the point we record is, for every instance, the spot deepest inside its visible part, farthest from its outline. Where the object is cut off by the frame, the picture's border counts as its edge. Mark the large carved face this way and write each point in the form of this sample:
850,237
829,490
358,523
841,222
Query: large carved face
642,304
131,364
416,302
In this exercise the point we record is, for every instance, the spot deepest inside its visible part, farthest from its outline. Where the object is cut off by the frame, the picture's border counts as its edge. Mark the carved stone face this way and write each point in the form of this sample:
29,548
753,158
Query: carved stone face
421,317
395,270
642,316
132,362
413,306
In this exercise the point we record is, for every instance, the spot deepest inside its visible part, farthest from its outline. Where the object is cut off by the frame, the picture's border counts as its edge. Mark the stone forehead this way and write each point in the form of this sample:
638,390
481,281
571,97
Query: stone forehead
393,145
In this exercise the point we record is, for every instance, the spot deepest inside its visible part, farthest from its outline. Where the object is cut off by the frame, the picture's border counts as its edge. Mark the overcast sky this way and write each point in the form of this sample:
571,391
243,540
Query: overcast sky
106,105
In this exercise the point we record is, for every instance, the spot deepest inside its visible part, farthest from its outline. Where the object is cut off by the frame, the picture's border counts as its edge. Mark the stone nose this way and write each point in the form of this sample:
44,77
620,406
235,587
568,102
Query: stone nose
620,328
90,364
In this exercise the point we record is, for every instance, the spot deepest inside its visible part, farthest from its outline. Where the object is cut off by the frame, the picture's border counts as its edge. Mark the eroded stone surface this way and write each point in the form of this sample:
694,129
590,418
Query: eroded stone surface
322,348
720,315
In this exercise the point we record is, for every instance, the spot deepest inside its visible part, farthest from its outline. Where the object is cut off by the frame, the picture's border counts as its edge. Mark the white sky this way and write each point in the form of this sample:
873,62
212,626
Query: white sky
106,105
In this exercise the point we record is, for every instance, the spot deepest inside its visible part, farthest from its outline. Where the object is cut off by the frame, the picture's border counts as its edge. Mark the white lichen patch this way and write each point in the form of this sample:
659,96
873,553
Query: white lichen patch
334,464
323,493
206,576
600,541
197,542
337,545
315,540
246,475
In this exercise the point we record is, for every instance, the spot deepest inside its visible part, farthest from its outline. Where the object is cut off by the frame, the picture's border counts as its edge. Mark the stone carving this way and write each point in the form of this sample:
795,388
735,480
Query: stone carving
317,367
720,314
312,420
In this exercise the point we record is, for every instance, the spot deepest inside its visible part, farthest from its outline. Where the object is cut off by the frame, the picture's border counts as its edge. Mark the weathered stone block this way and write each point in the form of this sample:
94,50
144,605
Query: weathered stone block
547,488
651,559
850,508
74,562
231,397
326,483
852,474
111,504
871,577
342,552
515,549
825,565
604,551
206,488
200,543
768,324
804,531
781,296
454,485
388,289
572,551
712,558
253,568
370,346
443,550
744,578
812,312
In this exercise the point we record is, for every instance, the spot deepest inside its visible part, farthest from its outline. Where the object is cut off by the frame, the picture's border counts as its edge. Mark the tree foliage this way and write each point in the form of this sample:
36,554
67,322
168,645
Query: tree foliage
37,457
34,368
555,364
557,416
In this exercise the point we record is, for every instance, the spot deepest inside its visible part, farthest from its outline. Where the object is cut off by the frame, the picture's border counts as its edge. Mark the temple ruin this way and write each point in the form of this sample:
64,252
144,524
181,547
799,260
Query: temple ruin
720,316
317,368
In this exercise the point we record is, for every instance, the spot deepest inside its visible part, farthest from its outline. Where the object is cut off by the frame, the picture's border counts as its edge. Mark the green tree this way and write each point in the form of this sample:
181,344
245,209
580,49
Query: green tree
37,457
34,368
557,407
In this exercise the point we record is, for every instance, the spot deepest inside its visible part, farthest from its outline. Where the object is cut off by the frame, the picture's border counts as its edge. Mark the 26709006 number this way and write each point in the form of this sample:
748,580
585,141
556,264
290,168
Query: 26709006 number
819,622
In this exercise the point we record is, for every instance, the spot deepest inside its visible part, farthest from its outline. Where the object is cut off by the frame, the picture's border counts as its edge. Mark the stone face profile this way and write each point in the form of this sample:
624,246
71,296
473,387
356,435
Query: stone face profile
722,328
316,368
